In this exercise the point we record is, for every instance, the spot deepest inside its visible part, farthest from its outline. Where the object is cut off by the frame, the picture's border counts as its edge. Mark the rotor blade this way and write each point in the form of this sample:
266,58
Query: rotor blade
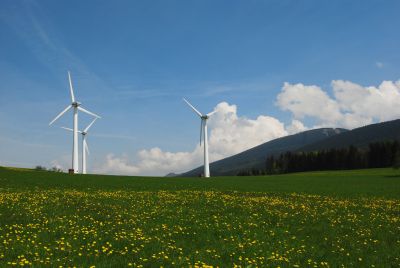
194,109
60,114
87,128
66,128
86,147
71,88
210,114
86,111
70,129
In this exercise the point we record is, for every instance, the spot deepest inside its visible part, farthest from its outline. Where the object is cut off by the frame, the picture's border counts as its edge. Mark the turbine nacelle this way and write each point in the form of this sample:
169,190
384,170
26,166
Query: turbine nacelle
76,104
202,116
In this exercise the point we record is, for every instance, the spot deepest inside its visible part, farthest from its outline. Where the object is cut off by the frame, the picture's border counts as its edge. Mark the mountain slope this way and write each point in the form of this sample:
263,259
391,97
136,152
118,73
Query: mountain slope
359,137
255,157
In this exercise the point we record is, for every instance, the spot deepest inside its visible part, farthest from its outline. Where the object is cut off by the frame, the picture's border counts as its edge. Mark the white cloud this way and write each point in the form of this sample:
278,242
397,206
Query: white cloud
374,103
351,106
308,101
379,64
117,165
150,162
229,134
295,127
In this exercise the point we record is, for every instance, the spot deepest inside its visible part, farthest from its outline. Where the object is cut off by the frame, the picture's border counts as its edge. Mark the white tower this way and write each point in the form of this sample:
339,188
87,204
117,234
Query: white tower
204,135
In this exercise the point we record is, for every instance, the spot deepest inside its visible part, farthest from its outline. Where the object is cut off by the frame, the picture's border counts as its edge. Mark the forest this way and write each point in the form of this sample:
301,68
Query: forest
376,155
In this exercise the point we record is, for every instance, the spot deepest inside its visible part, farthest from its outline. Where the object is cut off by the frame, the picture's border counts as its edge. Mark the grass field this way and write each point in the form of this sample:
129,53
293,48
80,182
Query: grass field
320,219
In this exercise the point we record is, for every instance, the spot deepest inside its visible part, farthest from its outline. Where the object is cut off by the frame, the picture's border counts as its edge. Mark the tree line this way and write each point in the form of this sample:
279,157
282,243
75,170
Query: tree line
376,155
53,169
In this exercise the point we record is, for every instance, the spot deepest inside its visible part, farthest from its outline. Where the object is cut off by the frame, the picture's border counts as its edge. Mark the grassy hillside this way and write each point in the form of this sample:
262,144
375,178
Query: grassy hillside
349,183
319,219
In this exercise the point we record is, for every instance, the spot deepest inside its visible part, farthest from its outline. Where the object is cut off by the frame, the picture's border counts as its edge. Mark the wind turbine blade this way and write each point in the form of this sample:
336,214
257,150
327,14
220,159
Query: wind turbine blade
194,109
87,128
210,114
86,147
86,111
60,114
71,88
70,129
66,128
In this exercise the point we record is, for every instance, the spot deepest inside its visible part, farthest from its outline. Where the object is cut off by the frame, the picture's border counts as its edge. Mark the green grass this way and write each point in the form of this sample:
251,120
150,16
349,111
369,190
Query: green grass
352,183
321,219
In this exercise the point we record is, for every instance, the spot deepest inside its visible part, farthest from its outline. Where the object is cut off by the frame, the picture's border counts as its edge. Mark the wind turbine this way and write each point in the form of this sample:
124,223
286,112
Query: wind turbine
203,133
85,148
76,106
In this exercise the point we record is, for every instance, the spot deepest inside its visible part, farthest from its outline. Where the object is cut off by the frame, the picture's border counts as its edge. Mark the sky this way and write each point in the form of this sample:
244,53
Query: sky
269,69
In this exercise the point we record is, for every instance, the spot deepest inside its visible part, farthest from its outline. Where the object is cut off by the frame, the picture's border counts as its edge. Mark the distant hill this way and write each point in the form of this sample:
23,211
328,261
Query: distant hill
256,156
359,137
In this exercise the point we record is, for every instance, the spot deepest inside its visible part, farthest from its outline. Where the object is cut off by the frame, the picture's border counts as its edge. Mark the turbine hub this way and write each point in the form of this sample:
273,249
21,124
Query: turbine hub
76,104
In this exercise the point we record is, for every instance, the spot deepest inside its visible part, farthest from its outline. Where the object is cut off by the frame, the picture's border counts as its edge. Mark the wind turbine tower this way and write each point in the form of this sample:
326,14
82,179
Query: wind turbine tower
203,134
85,147
76,106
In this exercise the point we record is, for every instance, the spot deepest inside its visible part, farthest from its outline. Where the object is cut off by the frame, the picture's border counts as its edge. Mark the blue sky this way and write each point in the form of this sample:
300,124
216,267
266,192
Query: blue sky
133,61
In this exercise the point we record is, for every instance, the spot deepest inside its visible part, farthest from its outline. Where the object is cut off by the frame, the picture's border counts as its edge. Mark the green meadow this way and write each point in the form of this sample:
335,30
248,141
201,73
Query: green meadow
317,219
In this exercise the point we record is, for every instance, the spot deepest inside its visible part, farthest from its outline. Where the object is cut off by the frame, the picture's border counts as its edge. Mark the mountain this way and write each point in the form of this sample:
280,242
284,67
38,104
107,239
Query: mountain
256,156
359,137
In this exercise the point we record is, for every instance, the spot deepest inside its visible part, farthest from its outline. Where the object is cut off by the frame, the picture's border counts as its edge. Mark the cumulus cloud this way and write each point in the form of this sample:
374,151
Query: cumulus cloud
153,162
308,101
370,103
351,105
229,134
295,127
